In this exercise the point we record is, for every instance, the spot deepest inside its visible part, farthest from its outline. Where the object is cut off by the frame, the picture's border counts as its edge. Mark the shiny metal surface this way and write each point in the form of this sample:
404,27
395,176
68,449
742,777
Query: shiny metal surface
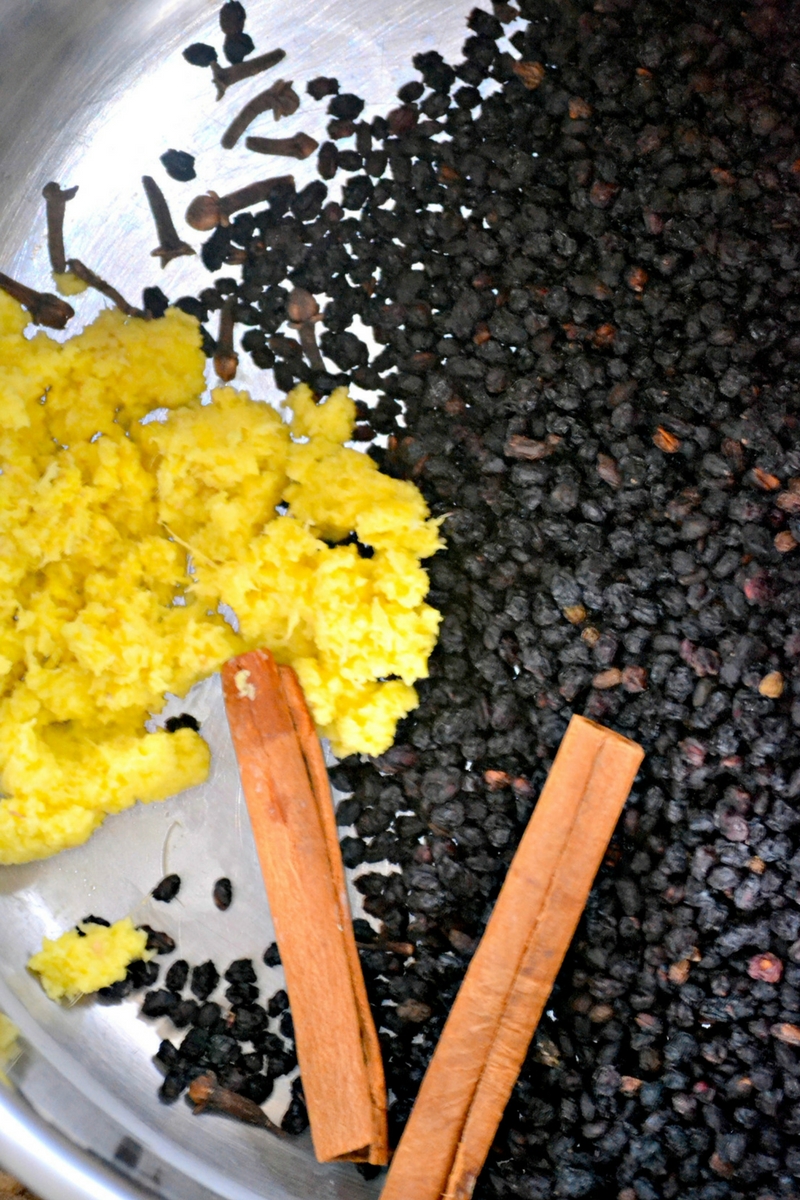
92,92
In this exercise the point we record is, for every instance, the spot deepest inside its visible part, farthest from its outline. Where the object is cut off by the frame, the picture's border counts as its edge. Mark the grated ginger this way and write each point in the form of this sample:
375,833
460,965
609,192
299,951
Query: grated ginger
119,542
88,957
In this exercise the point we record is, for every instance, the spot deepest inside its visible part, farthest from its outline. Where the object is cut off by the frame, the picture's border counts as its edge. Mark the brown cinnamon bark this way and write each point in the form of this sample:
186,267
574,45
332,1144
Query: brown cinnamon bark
486,1037
288,798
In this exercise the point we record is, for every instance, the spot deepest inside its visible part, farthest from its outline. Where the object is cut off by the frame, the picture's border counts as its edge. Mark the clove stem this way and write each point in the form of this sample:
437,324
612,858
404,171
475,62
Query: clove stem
206,212
170,245
56,200
299,146
303,312
281,98
207,1096
44,307
226,360
308,340
94,281
225,76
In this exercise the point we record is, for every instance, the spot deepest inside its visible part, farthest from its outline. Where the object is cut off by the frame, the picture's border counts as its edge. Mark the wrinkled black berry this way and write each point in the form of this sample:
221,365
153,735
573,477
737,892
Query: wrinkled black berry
177,975
173,1087
232,17
248,1022
154,301
158,940
345,106
142,974
272,956
237,46
208,1015
200,55
257,1088
241,971
322,86
179,165
295,1119
278,1003
204,979
159,1004
167,889
185,720
223,894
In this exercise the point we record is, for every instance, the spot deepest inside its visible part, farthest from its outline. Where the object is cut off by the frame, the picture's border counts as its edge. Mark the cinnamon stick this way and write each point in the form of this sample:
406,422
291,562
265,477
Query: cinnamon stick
286,788
489,1029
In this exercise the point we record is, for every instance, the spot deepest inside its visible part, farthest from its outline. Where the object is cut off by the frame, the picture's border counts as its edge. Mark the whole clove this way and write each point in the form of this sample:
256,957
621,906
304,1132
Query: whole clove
44,307
300,146
207,1096
226,360
170,244
56,198
225,76
208,211
303,312
93,280
281,98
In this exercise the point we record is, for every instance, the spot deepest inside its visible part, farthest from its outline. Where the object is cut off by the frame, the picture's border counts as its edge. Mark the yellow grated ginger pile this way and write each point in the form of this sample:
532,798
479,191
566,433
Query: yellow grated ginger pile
119,541
88,957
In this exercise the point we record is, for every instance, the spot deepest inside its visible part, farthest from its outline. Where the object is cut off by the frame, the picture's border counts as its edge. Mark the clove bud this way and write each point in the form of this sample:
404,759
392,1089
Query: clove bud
81,271
169,243
44,307
226,360
207,1096
281,98
56,199
206,212
225,76
299,146
303,311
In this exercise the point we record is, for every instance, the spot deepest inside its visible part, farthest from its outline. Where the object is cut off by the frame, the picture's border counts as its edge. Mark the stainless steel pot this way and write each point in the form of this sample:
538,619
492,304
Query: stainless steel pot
93,91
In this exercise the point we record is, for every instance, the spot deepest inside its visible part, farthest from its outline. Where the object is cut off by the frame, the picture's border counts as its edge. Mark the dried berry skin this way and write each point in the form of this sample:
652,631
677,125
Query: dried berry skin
179,165
167,889
223,894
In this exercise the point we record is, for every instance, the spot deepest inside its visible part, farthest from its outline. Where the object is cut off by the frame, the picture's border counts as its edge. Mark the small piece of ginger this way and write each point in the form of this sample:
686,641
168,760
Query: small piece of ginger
88,957
8,1044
